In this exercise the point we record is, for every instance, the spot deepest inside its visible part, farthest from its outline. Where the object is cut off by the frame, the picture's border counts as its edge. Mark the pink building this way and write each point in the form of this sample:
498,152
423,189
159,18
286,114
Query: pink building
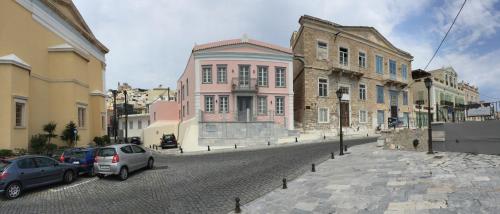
236,91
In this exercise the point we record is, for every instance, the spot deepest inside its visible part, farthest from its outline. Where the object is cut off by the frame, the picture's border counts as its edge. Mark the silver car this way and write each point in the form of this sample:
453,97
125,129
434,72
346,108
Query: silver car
122,159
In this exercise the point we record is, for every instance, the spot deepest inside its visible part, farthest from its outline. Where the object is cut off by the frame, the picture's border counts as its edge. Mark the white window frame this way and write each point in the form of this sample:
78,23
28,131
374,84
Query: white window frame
221,74
365,113
318,49
280,81
223,103
82,119
263,76
209,106
326,87
280,107
206,77
262,106
344,62
327,115
362,59
364,91
23,113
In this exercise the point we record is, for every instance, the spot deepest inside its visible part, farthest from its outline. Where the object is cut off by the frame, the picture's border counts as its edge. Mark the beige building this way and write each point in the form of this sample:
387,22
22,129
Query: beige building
52,68
471,92
372,72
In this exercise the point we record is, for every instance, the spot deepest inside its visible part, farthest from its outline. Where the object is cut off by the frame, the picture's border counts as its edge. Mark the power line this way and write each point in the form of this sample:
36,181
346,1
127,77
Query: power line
454,20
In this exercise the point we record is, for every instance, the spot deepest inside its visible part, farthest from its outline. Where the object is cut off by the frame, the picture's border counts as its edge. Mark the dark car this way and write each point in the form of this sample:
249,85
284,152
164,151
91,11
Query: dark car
135,140
168,141
83,158
28,171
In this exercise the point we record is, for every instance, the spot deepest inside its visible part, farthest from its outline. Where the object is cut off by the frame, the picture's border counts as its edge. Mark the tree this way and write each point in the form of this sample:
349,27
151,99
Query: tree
50,128
68,134
38,143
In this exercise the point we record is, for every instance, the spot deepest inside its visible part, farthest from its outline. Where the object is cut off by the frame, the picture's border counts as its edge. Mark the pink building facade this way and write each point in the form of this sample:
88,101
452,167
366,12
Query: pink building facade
238,84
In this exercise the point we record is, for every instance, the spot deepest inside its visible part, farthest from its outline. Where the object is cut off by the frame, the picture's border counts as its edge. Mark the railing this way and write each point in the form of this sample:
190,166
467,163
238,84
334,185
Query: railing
244,84
446,103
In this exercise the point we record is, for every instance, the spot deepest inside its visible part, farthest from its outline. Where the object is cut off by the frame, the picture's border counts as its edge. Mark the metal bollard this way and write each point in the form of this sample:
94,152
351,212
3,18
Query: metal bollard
313,168
150,146
324,137
296,140
345,148
333,156
180,148
235,146
284,183
208,148
237,209
268,143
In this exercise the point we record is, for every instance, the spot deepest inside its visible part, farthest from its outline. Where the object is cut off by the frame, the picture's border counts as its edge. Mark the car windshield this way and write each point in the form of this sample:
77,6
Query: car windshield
78,154
169,137
106,152
3,164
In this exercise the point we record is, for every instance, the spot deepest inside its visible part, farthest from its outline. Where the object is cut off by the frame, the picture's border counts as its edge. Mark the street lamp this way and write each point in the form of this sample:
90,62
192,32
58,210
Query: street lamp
428,85
126,116
115,119
339,95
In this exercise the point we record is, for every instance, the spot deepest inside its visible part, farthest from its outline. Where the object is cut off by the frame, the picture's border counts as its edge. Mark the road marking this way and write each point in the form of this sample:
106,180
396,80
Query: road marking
74,185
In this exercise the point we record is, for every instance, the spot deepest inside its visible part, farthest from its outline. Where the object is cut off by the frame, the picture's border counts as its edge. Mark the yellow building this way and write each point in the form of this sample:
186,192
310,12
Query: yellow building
52,68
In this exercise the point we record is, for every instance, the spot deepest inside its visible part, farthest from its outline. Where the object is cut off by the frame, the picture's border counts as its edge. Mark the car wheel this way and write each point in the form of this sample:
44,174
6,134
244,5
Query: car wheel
13,190
151,162
100,176
69,176
123,173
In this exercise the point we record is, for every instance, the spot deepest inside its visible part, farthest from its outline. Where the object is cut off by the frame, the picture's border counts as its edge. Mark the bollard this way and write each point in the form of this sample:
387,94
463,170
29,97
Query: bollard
333,156
345,148
235,146
180,148
156,147
208,148
324,137
284,183
296,140
313,168
268,143
150,146
237,209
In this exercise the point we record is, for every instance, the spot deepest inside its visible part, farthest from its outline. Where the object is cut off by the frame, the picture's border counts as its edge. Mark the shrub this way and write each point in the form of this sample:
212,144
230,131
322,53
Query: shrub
6,153
68,134
38,143
49,130
51,147
20,151
107,139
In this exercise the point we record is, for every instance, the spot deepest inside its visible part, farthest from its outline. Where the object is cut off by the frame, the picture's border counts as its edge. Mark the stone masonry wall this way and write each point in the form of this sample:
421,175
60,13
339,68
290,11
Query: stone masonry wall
402,139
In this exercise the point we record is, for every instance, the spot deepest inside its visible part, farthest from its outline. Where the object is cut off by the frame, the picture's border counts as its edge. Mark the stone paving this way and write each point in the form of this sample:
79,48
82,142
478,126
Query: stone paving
373,180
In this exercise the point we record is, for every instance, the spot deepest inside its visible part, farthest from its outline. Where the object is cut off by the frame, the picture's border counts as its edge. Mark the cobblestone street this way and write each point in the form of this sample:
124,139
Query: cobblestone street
201,183
372,180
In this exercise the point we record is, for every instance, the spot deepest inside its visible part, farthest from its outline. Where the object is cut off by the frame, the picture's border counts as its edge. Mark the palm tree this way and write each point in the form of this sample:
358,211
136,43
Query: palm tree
50,128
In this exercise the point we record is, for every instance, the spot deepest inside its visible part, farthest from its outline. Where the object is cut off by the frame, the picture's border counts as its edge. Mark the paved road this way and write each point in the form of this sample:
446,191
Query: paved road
206,183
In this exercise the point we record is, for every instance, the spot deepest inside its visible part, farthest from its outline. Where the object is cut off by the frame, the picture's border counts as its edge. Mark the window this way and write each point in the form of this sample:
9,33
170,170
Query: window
345,90
209,103
244,76
405,98
343,56
379,64
183,111
392,69
20,112
124,125
362,60
323,115
221,74
103,122
380,94
187,107
131,125
224,104
280,77
27,163
138,149
262,75
44,162
404,71
363,116
406,118
380,117
81,117
280,105
323,87
126,149
322,50
207,74
187,87
139,124
362,91
154,116
262,105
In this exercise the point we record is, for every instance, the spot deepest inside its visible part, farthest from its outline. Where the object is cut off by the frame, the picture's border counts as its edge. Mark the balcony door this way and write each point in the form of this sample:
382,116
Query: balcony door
244,76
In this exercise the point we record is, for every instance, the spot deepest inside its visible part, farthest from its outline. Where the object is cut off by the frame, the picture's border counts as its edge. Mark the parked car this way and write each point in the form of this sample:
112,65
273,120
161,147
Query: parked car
83,158
28,171
168,141
135,140
121,159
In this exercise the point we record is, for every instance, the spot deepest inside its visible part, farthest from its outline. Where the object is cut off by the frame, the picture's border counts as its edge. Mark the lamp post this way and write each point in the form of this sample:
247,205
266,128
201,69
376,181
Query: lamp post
428,85
126,116
339,95
115,120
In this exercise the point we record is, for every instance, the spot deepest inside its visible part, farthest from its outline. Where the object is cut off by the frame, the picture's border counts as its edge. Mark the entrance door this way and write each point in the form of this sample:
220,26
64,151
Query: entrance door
394,103
344,106
244,108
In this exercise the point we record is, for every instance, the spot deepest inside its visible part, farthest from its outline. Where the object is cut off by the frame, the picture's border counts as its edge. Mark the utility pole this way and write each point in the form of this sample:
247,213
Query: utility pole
126,116
115,119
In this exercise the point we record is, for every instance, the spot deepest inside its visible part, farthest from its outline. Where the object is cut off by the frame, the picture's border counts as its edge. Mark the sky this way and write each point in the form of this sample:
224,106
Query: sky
150,40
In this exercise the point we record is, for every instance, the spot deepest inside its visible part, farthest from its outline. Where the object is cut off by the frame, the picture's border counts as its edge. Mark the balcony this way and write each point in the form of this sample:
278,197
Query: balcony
446,103
393,80
349,70
244,85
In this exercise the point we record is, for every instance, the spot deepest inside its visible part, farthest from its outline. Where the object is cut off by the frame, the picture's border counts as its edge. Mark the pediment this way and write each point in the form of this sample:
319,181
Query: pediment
372,35
68,11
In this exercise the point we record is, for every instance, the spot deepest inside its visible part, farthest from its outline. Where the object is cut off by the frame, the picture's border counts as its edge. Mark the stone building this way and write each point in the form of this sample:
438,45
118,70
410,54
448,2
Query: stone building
471,92
372,72
52,69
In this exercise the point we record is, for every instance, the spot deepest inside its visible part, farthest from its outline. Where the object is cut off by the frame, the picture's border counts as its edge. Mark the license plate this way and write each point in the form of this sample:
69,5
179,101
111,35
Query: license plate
76,162
104,167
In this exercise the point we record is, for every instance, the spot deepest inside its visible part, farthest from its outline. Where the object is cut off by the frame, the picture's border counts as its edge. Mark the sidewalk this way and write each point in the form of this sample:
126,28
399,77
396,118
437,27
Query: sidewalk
283,142
373,180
